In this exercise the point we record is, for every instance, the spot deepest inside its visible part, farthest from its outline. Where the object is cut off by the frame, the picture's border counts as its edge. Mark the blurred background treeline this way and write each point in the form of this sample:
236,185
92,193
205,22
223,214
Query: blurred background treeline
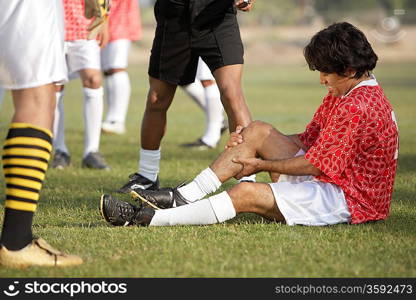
275,31
294,12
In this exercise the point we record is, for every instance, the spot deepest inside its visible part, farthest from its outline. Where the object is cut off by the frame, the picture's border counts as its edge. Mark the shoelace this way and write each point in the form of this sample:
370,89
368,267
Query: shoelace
126,211
133,176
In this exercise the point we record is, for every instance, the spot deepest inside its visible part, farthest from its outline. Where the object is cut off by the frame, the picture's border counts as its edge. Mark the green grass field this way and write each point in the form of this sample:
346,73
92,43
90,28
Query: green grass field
247,246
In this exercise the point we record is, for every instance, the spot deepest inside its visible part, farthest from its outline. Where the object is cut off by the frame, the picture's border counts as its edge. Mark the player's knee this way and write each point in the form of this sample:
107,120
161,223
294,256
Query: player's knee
59,88
207,83
93,81
243,196
257,129
157,102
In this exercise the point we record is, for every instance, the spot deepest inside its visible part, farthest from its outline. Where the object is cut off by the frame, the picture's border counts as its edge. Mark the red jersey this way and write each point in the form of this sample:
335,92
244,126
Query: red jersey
124,20
353,140
75,22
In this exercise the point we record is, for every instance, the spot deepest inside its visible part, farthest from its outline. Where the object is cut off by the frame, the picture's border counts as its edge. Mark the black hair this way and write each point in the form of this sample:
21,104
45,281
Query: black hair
339,47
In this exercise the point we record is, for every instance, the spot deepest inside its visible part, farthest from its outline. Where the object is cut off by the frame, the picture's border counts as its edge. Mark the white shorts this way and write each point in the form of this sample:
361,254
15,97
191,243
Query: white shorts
203,72
31,43
81,55
115,55
303,200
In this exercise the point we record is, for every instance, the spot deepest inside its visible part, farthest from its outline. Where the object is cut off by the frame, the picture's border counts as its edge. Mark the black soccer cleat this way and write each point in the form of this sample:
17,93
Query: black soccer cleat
116,212
61,160
144,216
163,198
137,181
121,213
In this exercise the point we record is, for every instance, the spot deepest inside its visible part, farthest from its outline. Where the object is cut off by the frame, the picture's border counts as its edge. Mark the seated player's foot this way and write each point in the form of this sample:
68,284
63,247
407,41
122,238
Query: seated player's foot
117,212
37,253
113,127
199,144
94,160
61,160
121,213
137,181
163,198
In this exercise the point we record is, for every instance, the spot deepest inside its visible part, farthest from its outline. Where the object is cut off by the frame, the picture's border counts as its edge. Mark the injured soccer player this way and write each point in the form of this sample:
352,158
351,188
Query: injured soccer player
340,169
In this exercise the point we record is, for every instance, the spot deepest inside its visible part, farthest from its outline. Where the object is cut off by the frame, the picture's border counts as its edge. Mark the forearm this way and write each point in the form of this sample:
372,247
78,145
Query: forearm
292,166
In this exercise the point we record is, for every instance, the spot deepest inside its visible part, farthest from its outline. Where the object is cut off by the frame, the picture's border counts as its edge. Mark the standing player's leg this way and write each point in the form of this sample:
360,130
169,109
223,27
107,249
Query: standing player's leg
27,150
114,61
93,115
228,79
212,107
61,158
28,144
172,63
196,92
153,128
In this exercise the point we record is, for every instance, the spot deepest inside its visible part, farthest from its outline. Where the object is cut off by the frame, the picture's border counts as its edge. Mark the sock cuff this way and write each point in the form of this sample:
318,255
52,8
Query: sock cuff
94,92
222,206
117,74
251,178
149,163
24,128
213,176
150,153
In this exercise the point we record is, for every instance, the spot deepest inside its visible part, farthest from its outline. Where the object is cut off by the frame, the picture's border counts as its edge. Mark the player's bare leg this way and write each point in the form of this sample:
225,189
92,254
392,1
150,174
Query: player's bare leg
26,153
93,116
255,198
40,100
159,99
228,79
118,90
260,140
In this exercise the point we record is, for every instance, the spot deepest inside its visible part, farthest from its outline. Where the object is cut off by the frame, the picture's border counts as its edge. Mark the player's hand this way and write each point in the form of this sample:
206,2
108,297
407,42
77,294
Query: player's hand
244,5
97,10
250,166
236,138
104,36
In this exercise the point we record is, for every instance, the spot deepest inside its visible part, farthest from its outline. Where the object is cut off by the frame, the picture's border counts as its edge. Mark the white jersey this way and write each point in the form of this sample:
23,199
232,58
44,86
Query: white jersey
32,43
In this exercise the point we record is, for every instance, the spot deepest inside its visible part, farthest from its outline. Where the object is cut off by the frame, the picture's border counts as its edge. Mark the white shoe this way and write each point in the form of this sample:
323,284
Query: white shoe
113,127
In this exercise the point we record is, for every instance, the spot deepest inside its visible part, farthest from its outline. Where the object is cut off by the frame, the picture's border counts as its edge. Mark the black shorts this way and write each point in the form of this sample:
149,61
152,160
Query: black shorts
179,40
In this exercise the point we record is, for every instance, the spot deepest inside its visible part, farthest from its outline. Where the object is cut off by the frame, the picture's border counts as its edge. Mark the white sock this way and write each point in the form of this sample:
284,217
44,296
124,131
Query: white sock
251,178
216,209
196,91
204,183
59,124
118,91
149,163
214,115
93,116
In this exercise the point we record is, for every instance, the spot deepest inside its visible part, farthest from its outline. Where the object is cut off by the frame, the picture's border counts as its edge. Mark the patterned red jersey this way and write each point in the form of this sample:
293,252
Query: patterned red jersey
124,20
353,140
75,22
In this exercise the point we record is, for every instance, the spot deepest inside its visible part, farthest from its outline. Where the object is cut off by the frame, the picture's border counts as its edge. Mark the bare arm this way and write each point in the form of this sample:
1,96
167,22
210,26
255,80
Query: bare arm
292,166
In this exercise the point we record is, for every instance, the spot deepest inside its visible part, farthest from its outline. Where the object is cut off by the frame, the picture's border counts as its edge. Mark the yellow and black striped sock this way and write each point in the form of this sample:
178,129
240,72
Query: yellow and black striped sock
27,150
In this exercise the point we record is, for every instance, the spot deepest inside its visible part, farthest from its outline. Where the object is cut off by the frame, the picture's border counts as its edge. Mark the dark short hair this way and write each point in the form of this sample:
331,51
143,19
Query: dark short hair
339,47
